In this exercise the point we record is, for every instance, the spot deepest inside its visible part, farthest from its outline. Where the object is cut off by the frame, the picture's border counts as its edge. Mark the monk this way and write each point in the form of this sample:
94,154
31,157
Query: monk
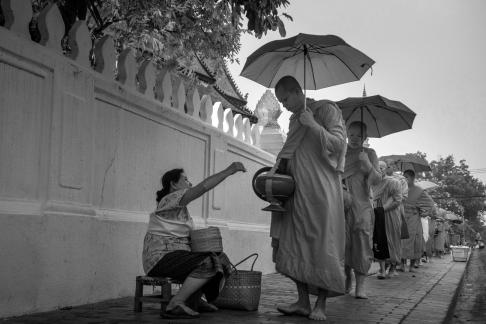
307,238
387,194
360,173
418,204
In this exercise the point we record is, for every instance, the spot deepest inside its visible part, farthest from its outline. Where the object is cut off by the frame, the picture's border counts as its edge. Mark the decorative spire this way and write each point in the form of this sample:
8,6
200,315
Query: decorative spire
364,90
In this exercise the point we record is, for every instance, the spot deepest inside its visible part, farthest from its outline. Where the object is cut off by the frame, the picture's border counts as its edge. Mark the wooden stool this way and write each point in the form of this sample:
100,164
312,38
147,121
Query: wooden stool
166,291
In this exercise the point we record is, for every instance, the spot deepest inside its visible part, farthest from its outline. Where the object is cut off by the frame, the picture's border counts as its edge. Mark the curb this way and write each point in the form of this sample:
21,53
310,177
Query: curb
452,305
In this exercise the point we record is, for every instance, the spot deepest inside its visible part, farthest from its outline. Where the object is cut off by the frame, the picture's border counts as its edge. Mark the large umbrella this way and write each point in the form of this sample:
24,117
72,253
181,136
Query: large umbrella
315,61
407,162
382,116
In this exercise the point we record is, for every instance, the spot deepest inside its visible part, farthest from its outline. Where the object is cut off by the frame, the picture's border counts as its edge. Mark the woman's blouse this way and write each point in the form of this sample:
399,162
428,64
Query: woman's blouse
168,230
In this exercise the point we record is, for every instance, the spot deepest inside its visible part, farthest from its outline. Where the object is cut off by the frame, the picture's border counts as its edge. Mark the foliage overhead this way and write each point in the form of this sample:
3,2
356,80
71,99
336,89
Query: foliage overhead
171,29
458,191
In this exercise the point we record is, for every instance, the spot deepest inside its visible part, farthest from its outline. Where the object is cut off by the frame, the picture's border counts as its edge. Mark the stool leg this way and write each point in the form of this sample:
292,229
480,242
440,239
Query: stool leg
166,291
137,306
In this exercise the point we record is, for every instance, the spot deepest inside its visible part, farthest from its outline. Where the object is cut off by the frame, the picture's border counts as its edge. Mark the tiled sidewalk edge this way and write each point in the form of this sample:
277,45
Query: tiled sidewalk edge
452,306
439,302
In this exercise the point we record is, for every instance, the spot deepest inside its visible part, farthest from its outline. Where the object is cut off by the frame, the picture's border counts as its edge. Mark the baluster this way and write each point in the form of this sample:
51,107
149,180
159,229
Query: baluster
247,130
147,78
105,57
80,43
239,126
18,14
179,94
206,109
229,122
218,115
51,27
127,68
255,134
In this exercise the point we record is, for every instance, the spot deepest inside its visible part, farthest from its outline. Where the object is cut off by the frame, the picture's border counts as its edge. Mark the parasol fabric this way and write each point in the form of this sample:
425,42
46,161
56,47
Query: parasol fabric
382,116
408,162
315,61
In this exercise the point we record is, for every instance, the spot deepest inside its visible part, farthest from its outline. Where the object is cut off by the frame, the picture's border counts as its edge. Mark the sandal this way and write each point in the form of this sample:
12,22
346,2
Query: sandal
178,312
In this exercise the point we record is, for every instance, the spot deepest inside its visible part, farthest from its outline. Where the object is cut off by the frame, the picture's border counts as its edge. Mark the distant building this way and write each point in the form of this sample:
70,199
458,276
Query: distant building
221,86
268,110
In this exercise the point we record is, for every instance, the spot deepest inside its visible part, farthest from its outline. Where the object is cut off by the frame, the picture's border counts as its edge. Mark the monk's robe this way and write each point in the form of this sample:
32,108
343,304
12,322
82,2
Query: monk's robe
418,204
429,245
360,215
308,238
390,188
440,237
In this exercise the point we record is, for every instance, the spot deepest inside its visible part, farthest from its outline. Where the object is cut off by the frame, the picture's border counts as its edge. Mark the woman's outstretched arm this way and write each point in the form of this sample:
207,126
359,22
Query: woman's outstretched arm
211,182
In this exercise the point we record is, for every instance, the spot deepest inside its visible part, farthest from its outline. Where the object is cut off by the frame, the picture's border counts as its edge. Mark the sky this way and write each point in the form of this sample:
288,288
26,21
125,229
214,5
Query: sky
429,54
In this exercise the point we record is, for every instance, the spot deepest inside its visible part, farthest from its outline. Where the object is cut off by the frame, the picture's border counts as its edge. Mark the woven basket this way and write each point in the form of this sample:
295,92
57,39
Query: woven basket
206,240
242,289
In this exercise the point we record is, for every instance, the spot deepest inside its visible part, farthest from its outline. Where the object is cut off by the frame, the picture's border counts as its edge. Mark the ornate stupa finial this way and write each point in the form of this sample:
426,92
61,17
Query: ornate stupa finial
364,90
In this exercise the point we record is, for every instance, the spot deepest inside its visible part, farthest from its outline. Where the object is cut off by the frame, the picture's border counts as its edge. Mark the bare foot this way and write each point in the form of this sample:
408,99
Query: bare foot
349,285
185,308
361,296
205,307
294,309
318,314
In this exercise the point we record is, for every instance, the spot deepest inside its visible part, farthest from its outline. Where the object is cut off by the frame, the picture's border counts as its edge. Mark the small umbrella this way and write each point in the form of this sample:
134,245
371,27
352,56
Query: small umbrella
382,116
426,185
453,218
408,162
315,61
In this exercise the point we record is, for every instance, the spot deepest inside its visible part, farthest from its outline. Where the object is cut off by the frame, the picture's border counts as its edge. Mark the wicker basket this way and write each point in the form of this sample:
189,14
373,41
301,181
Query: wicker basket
206,240
242,289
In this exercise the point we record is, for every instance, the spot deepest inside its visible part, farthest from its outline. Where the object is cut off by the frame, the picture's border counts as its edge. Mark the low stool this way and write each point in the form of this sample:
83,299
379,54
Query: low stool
166,291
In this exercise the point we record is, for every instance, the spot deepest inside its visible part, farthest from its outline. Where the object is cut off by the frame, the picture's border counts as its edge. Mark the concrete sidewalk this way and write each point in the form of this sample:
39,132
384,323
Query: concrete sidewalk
420,297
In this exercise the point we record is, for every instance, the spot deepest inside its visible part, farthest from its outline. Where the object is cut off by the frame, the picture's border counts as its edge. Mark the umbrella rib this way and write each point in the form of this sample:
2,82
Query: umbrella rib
396,112
376,122
351,114
312,70
329,53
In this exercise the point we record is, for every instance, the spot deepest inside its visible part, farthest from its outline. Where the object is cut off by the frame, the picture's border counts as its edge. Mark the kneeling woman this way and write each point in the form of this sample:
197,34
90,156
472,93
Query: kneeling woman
166,247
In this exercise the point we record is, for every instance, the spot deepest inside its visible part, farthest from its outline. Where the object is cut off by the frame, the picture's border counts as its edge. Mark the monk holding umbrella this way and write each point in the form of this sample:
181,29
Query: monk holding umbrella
307,237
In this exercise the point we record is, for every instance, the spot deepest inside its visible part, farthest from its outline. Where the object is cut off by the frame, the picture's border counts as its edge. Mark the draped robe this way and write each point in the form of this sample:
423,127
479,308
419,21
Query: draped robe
360,215
418,204
390,188
307,238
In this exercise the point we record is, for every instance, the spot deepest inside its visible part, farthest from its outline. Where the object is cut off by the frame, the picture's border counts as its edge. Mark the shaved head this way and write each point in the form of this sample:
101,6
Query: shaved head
288,83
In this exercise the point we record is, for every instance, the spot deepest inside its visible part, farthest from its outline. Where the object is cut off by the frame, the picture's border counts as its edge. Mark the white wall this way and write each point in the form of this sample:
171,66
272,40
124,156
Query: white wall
81,157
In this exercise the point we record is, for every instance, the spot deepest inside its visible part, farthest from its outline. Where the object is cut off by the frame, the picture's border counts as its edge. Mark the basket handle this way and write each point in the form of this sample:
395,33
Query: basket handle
251,255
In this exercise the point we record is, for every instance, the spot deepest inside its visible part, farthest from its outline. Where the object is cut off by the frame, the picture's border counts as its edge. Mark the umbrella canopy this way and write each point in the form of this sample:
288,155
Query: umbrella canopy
453,217
315,61
408,162
382,116
426,185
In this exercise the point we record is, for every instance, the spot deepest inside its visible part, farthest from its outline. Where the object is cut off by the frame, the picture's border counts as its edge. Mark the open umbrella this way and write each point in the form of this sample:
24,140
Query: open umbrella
315,61
408,162
382,116
453,218
426,185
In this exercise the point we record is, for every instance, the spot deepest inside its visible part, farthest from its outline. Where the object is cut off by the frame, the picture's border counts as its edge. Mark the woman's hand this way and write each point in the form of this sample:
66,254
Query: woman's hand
235,167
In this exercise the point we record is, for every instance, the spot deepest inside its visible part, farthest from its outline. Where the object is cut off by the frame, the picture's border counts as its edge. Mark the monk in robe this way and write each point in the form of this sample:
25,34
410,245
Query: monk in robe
392,171
307,238
361,171
439,242
387,194
418,204
429,244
